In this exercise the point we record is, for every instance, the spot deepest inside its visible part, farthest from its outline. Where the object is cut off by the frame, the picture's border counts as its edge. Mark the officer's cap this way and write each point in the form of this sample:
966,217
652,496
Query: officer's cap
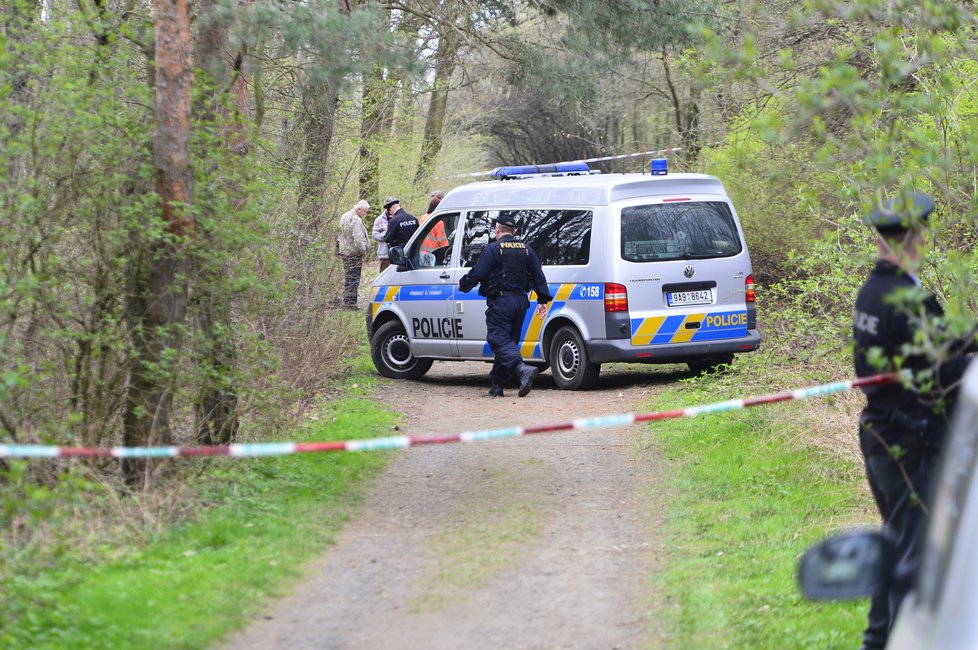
391,200
506,220
901,213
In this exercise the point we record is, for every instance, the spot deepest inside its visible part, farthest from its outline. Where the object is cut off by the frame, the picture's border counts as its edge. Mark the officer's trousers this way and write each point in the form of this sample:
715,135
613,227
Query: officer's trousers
504,324
899,503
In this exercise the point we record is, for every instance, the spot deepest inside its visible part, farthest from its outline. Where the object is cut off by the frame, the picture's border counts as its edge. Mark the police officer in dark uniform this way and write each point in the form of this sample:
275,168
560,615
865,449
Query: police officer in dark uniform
507,269
903,425
402,224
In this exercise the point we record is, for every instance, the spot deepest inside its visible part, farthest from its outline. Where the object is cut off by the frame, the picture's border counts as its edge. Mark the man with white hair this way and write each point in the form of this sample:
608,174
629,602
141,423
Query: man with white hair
352,245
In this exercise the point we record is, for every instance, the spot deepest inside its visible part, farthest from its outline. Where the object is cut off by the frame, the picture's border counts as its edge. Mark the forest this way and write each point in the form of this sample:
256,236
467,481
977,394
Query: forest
173,172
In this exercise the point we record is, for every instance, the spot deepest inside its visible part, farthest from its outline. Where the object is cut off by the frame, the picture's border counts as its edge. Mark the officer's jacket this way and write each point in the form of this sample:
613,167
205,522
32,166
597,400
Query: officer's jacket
507,265
890,309
400,228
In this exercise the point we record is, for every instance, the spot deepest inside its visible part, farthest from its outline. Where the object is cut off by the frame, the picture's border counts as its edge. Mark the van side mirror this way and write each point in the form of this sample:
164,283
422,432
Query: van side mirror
395,256
845,566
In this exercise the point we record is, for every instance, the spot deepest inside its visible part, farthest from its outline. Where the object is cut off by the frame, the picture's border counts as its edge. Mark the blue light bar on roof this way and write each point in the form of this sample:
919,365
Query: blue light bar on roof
541,170
659,167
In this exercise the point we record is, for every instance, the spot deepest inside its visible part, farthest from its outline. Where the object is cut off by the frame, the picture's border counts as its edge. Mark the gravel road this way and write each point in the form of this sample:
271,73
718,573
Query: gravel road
544,541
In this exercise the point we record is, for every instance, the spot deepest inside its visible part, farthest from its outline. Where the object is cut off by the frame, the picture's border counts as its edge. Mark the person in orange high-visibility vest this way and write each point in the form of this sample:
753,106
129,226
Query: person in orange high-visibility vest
437,238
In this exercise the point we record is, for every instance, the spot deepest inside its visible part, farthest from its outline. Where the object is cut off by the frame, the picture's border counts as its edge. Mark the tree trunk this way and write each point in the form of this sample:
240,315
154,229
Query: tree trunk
258,84
319,102
432,141
157,299
374,100
17,18
319,107
400,120
690,135
687,118
376,109
216,405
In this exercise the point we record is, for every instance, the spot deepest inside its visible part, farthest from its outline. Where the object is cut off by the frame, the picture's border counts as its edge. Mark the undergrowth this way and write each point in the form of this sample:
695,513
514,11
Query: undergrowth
752,490
255,521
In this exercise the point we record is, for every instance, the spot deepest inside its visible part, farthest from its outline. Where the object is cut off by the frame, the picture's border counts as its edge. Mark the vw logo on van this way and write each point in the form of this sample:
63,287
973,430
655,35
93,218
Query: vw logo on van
689,271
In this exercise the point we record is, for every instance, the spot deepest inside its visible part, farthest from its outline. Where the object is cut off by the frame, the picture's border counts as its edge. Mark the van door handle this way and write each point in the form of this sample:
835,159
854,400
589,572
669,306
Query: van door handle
444,275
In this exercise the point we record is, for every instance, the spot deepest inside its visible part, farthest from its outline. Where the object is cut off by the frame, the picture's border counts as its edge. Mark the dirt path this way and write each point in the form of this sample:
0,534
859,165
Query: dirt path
545,541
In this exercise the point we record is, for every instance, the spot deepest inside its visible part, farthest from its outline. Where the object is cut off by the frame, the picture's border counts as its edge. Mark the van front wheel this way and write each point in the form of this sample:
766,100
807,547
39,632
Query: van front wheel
571,368
390,349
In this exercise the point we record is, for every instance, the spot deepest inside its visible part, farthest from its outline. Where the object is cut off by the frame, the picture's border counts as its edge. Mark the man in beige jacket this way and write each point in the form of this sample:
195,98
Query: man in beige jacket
353,244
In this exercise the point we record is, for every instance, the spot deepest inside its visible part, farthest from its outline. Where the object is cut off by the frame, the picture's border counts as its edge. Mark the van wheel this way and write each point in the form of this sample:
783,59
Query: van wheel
710,365
390,349
571,368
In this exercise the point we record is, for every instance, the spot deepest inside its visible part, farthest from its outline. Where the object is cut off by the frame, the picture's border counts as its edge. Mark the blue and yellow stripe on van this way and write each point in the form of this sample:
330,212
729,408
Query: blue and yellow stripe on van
394,293
532,329
381,296
653,330
685,328
530,345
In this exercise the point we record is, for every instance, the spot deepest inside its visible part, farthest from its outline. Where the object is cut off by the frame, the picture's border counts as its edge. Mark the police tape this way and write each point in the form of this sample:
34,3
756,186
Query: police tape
399,442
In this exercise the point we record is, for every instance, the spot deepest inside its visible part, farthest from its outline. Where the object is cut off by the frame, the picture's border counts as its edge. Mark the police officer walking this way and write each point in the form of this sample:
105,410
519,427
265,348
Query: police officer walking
903,426
507,269
402,224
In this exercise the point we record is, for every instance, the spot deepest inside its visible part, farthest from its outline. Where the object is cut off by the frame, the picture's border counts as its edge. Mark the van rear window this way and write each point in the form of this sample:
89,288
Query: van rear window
678,231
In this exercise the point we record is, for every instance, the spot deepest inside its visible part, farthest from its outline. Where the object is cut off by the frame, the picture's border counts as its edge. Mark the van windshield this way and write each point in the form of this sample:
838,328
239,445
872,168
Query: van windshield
678,231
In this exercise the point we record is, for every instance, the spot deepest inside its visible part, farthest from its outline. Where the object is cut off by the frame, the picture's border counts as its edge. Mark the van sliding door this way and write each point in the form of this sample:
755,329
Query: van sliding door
427,288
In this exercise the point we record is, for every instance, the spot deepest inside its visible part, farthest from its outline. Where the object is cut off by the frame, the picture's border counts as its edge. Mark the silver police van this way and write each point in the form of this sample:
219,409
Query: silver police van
643,268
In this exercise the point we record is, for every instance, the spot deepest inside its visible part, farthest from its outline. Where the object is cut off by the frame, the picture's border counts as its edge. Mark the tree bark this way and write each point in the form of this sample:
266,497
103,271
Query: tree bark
687,118
376,108
216,405
17,24
157,299
319,108
320,100
431,143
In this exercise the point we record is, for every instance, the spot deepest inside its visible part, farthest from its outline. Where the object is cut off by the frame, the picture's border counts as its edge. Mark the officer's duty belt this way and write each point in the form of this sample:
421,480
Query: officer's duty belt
509,293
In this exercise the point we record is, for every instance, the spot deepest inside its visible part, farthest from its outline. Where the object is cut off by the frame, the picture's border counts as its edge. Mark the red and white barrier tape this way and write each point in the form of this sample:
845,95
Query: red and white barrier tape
398,442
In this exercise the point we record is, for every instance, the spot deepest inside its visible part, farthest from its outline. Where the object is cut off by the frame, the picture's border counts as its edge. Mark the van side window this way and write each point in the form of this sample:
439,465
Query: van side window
559,237
478,230
433,247
678,231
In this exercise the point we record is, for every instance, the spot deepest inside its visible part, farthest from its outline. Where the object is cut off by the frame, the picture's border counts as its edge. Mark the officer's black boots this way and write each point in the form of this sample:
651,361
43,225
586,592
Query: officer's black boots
527,375
496,390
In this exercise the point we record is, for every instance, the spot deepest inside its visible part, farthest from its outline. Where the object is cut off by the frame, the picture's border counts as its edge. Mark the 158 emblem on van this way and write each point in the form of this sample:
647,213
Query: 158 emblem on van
688,271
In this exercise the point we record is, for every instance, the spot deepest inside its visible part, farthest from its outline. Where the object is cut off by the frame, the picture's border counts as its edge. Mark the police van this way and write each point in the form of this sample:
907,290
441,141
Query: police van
643,268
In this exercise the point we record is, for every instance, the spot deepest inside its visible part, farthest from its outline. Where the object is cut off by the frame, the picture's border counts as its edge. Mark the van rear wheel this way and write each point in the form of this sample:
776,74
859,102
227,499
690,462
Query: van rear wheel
710,365
390,349
569,364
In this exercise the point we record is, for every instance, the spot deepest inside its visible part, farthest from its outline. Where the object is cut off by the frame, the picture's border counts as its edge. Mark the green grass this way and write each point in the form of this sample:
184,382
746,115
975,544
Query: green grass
191,585
748,500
